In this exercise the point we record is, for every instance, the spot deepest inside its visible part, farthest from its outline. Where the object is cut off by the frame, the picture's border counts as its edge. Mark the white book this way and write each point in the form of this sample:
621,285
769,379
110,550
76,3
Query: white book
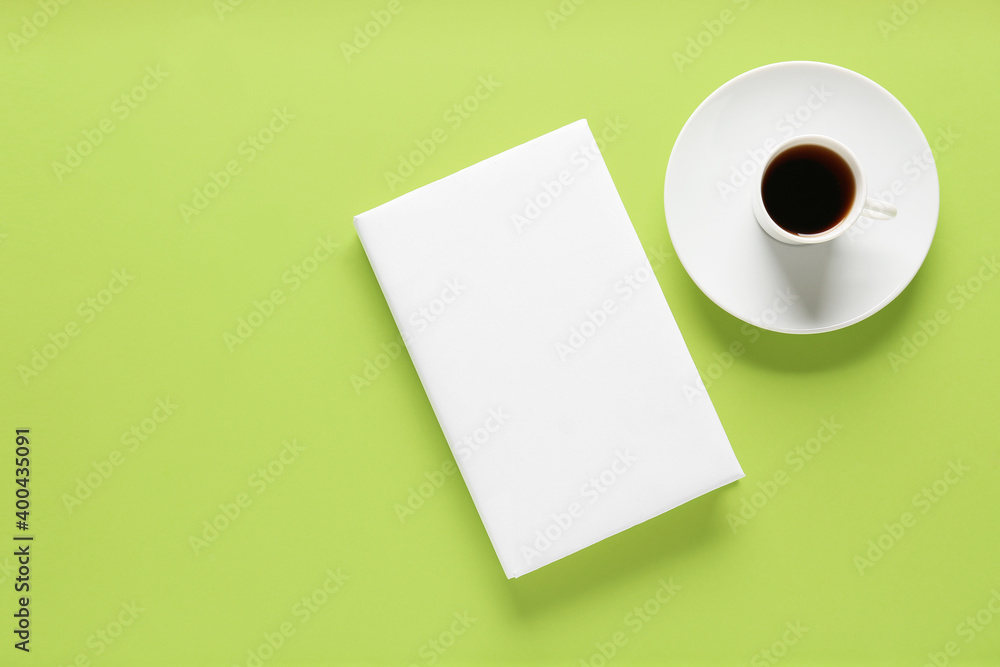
546,348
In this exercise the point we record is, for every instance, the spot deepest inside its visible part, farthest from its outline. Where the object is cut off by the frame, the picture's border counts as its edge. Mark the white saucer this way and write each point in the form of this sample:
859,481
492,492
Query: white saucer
798,289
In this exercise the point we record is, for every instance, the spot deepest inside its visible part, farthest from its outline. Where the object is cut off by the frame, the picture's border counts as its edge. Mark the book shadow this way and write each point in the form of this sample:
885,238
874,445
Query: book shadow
653,549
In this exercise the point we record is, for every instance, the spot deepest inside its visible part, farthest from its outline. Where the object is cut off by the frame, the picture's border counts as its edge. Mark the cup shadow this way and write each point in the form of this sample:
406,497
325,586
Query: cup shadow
806,268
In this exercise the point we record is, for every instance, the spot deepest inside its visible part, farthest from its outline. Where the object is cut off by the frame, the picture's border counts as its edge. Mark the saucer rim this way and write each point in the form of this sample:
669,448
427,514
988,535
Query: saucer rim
901,285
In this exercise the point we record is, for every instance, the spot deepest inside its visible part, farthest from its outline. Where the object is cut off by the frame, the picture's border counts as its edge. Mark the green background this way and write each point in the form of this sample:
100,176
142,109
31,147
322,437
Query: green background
164,336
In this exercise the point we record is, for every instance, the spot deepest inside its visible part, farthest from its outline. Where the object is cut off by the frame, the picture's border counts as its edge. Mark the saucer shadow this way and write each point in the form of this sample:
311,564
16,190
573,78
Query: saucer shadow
806,353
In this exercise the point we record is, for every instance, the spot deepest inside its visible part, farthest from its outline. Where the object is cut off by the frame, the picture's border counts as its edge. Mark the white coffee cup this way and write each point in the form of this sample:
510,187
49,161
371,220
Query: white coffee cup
861,206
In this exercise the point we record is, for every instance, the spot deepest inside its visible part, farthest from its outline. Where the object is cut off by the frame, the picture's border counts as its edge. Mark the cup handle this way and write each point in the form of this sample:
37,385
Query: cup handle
878,210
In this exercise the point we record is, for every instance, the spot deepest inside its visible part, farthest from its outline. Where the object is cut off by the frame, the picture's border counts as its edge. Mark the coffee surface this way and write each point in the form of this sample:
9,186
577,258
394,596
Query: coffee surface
808,189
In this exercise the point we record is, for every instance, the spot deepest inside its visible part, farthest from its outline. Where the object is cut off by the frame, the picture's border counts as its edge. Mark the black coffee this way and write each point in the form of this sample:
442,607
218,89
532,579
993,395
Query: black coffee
808,189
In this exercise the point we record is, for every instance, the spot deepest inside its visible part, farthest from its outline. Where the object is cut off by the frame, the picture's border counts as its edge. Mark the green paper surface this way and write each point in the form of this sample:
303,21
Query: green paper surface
232,460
